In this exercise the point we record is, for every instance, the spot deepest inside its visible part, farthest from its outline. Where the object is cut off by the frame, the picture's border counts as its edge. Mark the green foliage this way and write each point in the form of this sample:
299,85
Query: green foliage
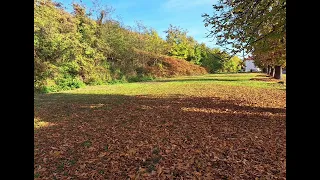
185,47
140,78
87,143
232,65
217,61
154,43
117,81
72,50
67,48
180,45
63,83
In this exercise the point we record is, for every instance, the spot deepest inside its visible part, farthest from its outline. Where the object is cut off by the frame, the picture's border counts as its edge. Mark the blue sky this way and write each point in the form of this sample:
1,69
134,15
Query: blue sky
158,14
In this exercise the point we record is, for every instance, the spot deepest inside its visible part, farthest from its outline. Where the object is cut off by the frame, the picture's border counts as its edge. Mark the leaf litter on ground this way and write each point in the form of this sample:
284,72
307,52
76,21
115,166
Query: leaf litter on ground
194,129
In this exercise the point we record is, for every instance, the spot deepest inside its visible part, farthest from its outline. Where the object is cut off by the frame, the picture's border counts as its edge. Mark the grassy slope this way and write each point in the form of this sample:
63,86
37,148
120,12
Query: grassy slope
213,125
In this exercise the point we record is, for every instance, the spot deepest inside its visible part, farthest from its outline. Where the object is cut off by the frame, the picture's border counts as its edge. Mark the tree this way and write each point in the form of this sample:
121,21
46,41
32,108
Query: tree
216,60
260,29
178,42
155,43
232,65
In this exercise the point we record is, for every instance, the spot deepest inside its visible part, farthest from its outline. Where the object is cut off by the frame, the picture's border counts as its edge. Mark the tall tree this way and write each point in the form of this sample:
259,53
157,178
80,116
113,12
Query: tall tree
251,27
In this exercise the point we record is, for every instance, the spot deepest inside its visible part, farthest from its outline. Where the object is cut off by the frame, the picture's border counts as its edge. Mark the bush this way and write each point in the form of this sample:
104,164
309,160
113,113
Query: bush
141,71
140,78
123,79
69,83
61,84
115,81
97,82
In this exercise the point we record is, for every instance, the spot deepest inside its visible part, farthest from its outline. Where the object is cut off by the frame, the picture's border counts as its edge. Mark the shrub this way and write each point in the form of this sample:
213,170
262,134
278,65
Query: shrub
140,78
62,83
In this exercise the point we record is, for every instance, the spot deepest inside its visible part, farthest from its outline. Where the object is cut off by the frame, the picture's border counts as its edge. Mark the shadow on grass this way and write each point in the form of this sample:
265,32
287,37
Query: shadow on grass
198,79
263,79
262,75
120,121
57,105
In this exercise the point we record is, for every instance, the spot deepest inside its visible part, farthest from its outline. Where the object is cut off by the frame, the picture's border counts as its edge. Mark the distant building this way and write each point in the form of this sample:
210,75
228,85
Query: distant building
249,65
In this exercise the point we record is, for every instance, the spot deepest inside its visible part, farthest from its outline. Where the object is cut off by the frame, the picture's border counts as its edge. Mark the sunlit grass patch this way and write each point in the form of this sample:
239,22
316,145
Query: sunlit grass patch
180,85
38,123
229,111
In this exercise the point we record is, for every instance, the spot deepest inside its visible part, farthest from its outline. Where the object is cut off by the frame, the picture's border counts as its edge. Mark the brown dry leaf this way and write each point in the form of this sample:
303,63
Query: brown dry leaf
91,148
142,170
91,161
42,169
131,152
137,176
82,166
123,154
197,174
56,153
102,154
132,176
159,171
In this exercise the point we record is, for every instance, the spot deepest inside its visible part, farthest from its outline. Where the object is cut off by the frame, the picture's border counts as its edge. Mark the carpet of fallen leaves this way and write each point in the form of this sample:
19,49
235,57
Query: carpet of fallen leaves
220,132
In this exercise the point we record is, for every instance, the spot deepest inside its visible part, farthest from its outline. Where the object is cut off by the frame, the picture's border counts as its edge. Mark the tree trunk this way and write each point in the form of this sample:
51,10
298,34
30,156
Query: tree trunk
268,69
264,70
278,72
272,72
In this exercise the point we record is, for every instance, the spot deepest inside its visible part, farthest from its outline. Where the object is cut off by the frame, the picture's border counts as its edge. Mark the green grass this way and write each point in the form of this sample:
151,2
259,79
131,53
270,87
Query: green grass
284,77
180,85
38,123
86,143
217,85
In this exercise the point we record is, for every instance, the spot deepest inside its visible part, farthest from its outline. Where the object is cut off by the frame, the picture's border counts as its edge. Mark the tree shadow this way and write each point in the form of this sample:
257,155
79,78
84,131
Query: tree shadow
179,126
198,79
262,75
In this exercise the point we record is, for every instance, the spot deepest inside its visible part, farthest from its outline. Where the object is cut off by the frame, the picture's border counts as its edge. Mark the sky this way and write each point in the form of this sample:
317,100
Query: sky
159,14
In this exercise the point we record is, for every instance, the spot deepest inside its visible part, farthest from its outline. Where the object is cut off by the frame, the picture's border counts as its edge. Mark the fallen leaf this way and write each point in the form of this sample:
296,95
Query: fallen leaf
102,154
159,171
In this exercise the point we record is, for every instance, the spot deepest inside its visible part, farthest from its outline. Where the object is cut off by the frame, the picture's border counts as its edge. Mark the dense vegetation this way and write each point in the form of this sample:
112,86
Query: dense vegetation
256,27
72,50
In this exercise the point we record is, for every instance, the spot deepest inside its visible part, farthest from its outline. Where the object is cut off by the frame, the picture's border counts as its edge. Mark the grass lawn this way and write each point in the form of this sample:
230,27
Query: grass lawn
216,126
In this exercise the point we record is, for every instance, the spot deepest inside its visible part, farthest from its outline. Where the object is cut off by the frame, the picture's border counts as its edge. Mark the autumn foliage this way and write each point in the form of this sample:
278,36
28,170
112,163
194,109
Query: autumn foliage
166,66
